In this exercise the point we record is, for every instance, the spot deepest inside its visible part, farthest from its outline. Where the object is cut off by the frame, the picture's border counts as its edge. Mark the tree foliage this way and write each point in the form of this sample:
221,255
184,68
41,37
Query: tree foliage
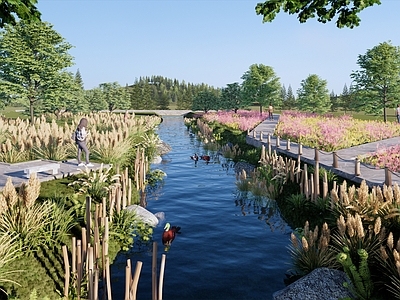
261,85
22,9
231,97
313,96
205,101
377,83
33,62
325,10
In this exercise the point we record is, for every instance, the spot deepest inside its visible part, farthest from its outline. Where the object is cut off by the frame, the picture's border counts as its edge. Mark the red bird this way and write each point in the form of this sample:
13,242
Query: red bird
169,235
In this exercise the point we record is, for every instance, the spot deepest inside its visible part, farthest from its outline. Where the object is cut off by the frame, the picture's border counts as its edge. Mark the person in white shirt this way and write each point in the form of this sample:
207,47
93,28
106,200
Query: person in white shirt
80,140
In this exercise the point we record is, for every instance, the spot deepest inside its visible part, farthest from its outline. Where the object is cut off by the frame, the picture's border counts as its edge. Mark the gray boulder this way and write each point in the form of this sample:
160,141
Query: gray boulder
320,284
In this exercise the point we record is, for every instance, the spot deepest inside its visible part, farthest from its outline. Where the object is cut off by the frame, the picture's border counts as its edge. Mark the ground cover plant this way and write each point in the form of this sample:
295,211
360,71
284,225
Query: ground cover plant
242,119
384,157
329,133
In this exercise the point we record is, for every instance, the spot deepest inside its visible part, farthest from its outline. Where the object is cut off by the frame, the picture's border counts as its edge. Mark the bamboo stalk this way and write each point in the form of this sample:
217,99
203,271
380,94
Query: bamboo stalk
88,218
154,272
80,268
135,281
129,191
161,280
128,278
96,284
73,255
108,278
67,271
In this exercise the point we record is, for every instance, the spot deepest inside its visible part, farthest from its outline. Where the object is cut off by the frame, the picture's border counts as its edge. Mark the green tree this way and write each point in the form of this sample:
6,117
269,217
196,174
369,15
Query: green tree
290,102
22,9
345,99
325,10
205,101
335,101
231,97
377,83
313,95
261,85
95,100
33,61
115,96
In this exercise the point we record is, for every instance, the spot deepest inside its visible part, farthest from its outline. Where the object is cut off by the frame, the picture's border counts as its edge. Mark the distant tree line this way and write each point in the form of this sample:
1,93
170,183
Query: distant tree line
34,60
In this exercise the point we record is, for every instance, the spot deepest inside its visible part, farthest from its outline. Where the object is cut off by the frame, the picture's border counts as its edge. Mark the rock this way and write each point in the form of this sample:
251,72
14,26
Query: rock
146,216
320,284
163,148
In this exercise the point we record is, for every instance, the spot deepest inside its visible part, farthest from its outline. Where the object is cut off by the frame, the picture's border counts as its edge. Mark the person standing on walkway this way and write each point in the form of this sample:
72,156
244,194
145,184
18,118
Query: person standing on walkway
398,113
80,138
270,112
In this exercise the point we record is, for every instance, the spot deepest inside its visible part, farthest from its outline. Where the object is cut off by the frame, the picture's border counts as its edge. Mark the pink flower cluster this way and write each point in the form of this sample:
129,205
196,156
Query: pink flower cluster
385,157
329,133
243,120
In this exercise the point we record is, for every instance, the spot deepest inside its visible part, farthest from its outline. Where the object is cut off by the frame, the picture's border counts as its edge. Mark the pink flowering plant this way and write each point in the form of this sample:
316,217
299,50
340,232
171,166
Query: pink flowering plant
329,133
384,157
241,120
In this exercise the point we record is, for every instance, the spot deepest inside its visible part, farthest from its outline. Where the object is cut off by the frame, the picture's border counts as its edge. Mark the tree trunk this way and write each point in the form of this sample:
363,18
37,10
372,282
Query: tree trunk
31,102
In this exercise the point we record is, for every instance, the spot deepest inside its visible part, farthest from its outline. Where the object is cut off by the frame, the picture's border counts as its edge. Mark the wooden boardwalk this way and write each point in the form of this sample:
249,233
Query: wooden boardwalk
345,158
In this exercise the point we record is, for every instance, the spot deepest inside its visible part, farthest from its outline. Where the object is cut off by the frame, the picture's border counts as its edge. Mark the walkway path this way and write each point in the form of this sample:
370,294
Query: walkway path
346,157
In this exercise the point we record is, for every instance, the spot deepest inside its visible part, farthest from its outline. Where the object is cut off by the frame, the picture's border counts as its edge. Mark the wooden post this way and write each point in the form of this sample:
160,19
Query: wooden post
288,145
357,170
278,141
316,155
300,149
261,136
254,134
388,177
335,160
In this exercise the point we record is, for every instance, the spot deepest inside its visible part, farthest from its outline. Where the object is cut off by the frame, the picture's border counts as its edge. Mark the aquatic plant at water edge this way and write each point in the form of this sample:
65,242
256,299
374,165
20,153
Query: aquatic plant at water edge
96,184
126,226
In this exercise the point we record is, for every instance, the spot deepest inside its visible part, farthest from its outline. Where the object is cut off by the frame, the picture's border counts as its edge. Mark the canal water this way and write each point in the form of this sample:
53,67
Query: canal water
231,246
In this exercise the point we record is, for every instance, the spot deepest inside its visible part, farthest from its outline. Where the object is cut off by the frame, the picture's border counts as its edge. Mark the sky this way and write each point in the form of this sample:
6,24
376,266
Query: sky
211,41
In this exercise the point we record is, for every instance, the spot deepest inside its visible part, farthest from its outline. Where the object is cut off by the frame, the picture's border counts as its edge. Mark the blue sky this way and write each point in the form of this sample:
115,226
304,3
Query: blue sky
211,41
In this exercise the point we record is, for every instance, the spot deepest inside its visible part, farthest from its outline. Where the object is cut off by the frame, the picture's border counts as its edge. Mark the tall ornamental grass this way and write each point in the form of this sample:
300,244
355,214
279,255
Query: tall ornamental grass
329,133
110,140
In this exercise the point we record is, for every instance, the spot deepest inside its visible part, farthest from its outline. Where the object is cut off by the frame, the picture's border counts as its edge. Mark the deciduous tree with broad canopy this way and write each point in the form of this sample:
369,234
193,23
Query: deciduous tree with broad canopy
22,9
260,84
346,11
33,62
313,96
377,83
